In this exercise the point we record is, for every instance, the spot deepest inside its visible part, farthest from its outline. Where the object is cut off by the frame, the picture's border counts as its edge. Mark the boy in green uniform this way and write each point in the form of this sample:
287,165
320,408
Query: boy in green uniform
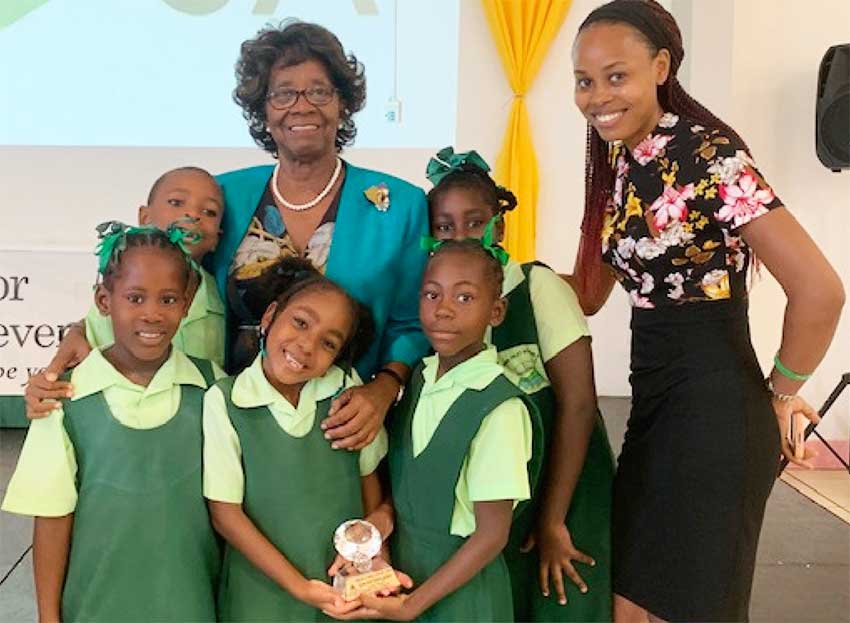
544,345
190,197
113,477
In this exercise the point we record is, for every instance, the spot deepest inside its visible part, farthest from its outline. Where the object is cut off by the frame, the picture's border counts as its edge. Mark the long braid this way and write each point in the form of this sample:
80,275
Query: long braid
598,185
659,30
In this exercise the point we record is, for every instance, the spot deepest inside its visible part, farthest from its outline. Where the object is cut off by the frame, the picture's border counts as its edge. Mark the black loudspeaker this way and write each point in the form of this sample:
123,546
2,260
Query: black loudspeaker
832,113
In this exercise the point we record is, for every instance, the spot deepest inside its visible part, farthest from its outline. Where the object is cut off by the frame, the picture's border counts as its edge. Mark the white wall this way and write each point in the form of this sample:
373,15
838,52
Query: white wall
754,62
484,101
777,47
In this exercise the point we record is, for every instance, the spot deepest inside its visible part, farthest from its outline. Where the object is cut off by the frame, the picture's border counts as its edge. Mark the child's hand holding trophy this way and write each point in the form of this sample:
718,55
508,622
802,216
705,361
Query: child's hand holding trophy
359,568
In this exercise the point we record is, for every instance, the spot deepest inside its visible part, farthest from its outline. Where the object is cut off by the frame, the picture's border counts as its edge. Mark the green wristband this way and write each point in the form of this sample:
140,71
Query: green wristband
789,373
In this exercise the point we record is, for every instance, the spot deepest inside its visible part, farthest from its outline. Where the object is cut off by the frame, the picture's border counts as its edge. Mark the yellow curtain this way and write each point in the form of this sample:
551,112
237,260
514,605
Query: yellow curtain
523,31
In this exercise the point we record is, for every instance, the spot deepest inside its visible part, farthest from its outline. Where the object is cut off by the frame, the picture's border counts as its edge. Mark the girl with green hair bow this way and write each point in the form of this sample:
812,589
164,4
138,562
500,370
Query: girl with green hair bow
113,476
544,346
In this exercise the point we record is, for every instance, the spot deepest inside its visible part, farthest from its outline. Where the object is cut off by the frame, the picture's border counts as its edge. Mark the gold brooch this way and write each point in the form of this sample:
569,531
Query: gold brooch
379,195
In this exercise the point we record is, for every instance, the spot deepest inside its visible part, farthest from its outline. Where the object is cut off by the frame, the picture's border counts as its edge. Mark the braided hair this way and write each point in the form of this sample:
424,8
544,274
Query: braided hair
471,177
658,29
137,238
472,248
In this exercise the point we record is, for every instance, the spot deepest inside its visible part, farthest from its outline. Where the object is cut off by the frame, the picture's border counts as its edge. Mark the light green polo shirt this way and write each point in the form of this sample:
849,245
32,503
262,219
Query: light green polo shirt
557,313
44,482
224,479
495,467
201,332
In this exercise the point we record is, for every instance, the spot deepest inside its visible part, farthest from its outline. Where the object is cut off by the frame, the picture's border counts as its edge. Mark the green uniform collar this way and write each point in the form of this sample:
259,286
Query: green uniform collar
96,374
513,277
475,373
206,299
252,389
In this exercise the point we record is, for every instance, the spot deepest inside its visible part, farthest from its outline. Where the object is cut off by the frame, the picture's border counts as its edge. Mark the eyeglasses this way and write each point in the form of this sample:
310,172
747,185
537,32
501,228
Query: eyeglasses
286,98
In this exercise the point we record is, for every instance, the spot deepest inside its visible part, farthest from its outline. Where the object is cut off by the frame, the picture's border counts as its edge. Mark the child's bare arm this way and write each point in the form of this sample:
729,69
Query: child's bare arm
571,375
51,542
377,506
231,522
492,526
371,492
44,390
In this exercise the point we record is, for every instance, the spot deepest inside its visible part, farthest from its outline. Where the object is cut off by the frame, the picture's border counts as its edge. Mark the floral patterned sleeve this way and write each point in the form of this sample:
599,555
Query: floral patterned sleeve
742,190
671,227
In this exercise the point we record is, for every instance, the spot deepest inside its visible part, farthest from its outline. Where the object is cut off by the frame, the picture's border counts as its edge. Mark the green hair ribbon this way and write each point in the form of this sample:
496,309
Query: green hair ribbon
430,245
112,240
447,161
490,245
180,236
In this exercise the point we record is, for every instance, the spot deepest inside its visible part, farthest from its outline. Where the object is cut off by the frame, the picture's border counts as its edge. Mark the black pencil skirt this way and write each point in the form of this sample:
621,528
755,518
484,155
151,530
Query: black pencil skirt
699,460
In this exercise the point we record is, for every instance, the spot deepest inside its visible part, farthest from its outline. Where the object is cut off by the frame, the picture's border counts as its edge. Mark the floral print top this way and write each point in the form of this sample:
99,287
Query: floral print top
265,243
671,227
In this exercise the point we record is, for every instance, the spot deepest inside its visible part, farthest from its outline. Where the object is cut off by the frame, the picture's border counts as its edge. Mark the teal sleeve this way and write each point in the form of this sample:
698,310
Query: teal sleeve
403,339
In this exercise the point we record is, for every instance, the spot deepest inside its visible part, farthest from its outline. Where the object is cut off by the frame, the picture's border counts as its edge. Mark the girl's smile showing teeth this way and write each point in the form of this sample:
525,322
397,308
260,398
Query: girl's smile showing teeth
292,362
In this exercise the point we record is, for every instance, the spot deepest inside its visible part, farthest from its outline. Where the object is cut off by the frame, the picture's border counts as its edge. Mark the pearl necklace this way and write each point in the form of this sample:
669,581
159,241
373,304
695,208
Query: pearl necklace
300,207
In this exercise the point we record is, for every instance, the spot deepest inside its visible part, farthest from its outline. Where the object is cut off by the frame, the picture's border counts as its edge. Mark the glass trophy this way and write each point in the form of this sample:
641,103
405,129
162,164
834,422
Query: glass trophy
358,542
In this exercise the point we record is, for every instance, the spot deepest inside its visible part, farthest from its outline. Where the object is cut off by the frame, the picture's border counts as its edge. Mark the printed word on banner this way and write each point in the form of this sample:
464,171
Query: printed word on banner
41,292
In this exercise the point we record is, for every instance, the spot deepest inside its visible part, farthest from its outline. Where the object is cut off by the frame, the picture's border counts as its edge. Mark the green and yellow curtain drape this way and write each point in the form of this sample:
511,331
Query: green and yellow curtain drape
523,31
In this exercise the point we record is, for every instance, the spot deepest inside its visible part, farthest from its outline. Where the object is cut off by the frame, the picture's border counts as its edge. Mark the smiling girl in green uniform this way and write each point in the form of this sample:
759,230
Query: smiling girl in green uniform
113,476
277,489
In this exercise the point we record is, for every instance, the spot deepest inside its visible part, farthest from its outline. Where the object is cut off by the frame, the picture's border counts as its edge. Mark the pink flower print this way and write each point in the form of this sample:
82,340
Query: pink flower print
650,147
620,180
641,302
671,206
735,255
743,201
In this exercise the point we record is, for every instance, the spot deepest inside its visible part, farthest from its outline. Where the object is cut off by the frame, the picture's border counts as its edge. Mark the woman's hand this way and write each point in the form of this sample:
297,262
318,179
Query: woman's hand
356,416
557,555
43,390
785,410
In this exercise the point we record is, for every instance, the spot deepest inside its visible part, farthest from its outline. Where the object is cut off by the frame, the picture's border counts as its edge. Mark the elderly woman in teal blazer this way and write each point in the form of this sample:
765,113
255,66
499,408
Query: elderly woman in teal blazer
298,91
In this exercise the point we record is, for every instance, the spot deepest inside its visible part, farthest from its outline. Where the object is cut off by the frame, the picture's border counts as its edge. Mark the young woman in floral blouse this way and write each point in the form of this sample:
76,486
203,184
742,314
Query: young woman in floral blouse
677,212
